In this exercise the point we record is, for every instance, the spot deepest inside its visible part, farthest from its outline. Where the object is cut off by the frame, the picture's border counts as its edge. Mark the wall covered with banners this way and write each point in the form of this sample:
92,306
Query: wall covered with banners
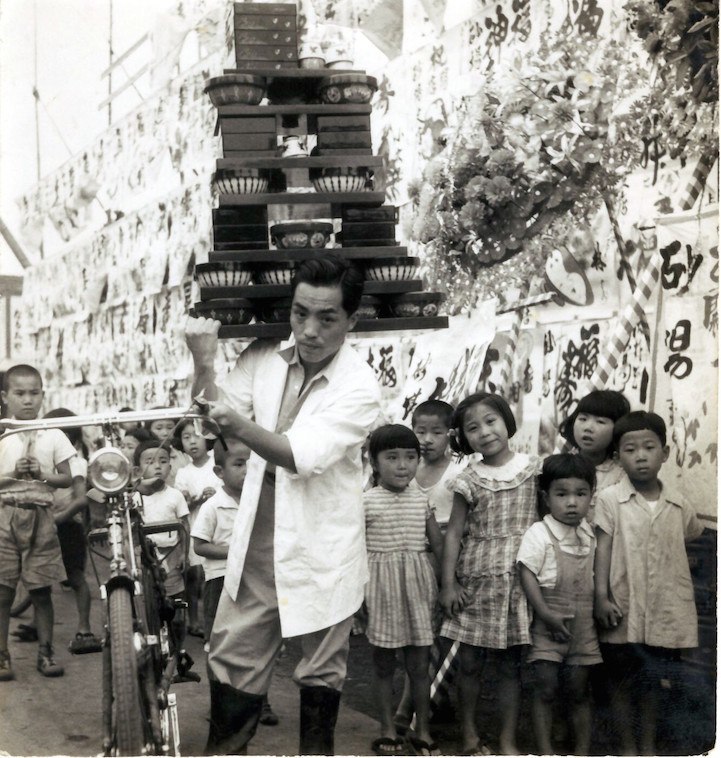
125,221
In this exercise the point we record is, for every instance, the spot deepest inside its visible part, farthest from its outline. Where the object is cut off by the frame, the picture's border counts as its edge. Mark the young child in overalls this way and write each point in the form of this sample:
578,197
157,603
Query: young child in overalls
555,561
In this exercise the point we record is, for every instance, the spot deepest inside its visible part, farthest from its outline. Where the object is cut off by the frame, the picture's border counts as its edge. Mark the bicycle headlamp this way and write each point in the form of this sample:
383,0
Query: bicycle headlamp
109,470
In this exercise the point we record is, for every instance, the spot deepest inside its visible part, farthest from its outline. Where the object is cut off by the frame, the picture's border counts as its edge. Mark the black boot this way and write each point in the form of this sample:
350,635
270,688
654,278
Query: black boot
318,714
233,719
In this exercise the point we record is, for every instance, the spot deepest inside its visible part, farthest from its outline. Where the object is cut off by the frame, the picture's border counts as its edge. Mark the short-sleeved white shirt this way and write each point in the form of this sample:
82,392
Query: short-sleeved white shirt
49,446
438,494
166,505
214,524
536,551
194,479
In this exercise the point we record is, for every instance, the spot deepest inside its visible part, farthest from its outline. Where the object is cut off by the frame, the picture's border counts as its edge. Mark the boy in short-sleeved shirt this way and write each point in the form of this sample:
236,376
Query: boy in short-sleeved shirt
152,462
32,466
644,592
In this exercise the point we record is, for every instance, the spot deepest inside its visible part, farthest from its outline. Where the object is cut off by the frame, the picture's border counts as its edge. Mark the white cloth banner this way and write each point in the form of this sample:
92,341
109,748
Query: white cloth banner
686,366
447,364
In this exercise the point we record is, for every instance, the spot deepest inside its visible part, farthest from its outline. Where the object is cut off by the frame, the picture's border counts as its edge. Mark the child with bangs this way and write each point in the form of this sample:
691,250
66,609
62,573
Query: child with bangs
401,591
589,429
487,611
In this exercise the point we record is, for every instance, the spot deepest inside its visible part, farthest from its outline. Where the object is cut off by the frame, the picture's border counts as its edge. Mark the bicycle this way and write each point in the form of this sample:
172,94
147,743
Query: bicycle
140,655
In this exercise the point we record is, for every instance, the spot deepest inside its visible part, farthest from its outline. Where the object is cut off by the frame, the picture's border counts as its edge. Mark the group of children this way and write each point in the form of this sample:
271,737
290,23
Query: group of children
565,564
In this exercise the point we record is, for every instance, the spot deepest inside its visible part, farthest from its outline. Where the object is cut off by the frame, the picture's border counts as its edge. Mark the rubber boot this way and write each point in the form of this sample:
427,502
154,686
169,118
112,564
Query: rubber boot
318,714
233,719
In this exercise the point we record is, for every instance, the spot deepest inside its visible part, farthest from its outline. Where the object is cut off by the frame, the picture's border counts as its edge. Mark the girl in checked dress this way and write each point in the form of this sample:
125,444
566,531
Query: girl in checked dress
402,590
487,611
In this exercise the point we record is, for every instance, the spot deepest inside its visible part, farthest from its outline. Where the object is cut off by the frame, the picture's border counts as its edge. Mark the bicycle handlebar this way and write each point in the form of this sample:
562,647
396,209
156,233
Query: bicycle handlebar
11,426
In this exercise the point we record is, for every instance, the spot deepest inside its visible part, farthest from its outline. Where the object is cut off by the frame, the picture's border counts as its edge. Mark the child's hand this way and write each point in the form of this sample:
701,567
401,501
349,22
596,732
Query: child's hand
453,599
207,492
556,623
607,613
28,467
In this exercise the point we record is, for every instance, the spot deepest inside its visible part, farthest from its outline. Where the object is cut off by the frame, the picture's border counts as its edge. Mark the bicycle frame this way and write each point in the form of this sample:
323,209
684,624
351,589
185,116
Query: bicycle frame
140,656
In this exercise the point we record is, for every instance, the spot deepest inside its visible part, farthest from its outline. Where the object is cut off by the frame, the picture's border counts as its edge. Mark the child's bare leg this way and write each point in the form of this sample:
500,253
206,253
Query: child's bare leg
577,679
545,690
7,595
416,661
509,698
79,585
384,664
44,615
404,710
469,688
193,588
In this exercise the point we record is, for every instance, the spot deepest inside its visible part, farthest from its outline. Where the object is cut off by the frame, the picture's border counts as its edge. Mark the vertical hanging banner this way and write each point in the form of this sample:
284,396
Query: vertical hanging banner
447,365
686,365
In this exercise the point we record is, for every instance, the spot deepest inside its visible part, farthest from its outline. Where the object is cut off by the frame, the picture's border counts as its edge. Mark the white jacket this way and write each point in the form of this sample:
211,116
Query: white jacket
319,544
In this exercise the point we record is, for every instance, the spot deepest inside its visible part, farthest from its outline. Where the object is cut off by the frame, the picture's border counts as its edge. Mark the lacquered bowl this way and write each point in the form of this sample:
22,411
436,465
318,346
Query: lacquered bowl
301,234
223,274
278,273
347,88
413,304
370,307
276,311
236,89
394,269
230,312
349,179
241,181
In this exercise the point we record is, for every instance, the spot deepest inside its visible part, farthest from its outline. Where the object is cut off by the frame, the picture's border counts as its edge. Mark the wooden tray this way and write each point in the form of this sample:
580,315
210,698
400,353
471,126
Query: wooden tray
366,326
302,254
272,291
298,198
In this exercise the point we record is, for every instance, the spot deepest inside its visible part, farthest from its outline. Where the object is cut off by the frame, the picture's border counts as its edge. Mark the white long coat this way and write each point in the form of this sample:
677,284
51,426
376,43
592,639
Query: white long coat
319,543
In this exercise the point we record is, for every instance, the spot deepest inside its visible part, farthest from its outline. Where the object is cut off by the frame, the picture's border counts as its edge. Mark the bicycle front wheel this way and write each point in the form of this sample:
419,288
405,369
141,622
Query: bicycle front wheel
127,709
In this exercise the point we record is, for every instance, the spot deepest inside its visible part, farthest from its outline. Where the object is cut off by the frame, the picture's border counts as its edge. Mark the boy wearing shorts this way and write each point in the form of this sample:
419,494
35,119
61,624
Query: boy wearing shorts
32,466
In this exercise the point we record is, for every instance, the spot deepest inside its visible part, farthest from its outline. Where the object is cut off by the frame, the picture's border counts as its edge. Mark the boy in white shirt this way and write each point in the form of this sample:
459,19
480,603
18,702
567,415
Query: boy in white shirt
152,462
213,529
32,466
197,481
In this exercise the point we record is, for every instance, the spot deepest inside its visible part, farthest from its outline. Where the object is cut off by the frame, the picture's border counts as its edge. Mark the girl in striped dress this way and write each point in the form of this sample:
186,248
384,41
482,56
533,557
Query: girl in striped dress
494,503
402,588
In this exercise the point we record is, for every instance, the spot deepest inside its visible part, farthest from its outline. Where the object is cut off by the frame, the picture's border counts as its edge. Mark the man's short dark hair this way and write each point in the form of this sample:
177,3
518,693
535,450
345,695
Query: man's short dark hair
20,370
330,270
438,408
639,421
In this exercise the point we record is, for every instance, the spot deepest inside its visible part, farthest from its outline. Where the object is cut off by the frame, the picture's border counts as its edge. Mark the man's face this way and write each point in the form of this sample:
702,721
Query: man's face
23,397
319,322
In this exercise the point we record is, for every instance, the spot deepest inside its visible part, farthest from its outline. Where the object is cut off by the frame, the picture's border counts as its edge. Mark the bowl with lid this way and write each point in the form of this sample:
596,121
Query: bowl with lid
301,234
413,304
236,89
338,89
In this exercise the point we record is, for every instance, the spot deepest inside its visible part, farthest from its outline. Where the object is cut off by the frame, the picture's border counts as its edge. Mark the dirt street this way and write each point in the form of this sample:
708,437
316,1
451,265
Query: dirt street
41,716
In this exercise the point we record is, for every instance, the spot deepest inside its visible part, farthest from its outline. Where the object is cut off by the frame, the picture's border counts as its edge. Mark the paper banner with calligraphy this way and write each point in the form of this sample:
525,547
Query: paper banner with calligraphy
447,364
686,366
